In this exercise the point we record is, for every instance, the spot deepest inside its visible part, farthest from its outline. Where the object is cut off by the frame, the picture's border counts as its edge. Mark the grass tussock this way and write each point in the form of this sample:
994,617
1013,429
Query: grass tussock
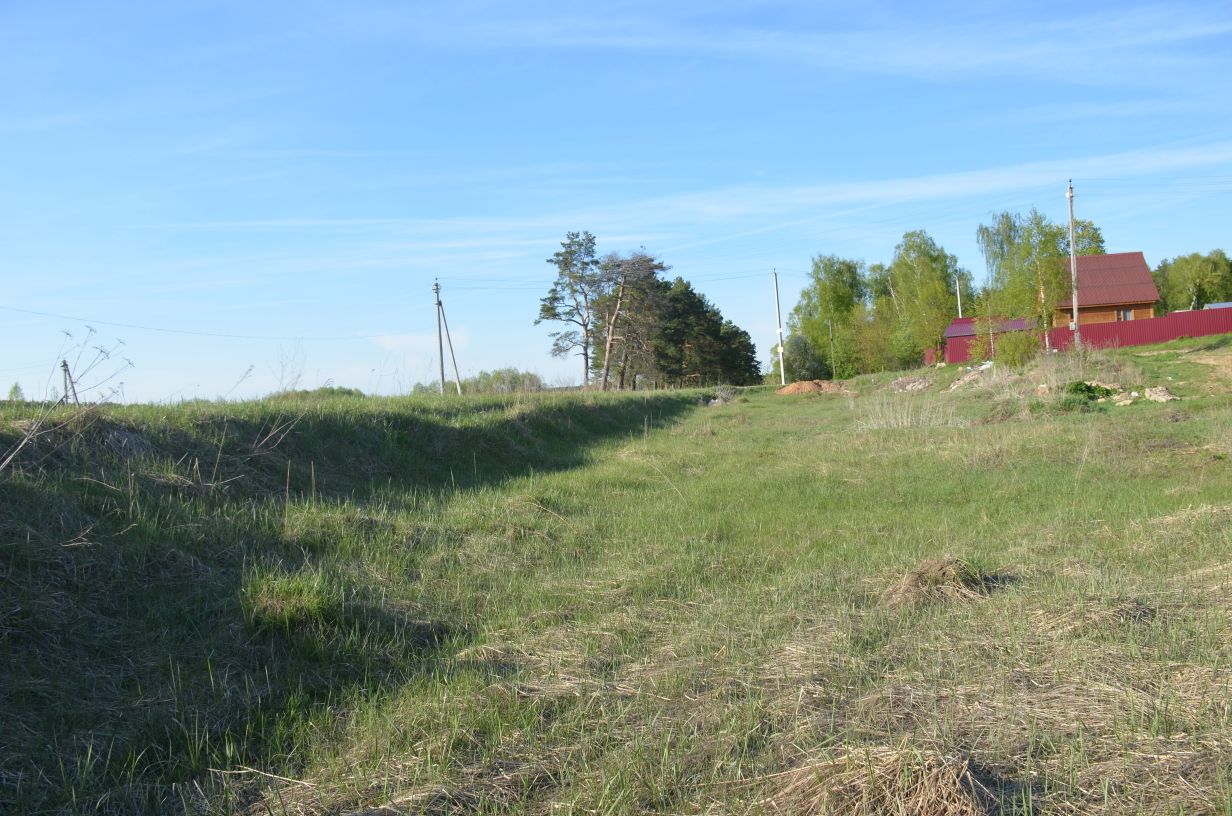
880,779
887,411
938,579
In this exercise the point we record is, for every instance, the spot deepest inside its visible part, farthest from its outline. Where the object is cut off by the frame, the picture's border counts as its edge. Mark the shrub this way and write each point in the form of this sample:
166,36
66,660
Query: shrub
1088,391
1016,349
502,381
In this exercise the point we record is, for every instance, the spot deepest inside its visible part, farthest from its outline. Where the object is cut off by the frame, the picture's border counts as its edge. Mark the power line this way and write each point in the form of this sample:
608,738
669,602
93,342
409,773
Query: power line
165,330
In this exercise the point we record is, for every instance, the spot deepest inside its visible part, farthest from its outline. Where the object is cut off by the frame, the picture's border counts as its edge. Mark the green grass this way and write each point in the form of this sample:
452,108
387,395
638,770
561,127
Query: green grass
619,604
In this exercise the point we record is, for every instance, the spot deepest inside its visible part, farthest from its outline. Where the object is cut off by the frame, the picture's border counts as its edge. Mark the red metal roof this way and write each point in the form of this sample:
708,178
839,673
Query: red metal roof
1109,280
965,326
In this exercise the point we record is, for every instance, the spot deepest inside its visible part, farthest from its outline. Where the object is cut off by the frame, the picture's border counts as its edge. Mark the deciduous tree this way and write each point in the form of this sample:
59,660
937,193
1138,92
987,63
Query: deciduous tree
922,279
1194,280
1027,262
572,299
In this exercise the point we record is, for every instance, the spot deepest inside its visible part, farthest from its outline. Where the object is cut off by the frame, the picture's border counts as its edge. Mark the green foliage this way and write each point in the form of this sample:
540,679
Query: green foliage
695,345
859,319
1194,280
1028,267
1016,348
579,284
825,313
629,317
16,394
502,381
626,319
922,279
1088,391
800,360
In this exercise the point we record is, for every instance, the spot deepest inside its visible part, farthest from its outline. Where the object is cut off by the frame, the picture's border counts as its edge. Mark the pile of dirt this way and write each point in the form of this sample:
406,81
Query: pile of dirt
911,384
882,779
938,579
816,387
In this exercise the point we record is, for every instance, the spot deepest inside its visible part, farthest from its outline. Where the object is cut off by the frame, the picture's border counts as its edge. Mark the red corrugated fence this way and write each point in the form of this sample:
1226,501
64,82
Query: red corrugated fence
1125,333
1142,332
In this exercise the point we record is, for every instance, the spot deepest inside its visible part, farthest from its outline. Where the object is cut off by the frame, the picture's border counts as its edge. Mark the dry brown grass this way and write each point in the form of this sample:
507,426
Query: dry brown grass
881,779
938,579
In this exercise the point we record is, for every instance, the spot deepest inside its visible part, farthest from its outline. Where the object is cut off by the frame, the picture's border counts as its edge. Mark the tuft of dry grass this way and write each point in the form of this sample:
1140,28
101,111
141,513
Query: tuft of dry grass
938,579
882,779
905,411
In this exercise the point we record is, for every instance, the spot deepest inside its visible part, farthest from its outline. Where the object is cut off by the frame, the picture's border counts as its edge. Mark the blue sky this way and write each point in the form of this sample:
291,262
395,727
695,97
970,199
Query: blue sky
269,189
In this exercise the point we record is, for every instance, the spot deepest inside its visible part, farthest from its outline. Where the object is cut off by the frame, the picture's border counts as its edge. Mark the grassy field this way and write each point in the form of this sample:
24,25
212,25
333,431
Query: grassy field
629,604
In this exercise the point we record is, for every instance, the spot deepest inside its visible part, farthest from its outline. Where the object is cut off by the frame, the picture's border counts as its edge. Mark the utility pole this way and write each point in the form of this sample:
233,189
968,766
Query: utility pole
440,344
778,315
958,289
457,378
442,320
70,387
1073,267
830,325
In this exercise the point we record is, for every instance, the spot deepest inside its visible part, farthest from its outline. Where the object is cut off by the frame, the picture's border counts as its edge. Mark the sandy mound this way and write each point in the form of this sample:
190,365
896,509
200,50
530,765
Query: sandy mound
938,579
816,387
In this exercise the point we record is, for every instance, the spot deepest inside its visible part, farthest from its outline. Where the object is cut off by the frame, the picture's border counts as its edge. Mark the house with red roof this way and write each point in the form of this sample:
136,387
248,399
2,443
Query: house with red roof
1111,289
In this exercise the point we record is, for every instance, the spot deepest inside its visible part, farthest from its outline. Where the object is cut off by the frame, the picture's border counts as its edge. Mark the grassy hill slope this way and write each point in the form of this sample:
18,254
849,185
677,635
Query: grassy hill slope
629,604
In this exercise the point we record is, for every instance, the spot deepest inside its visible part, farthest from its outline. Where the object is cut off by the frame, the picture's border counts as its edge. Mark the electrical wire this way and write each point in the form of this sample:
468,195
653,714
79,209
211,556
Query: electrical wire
164,330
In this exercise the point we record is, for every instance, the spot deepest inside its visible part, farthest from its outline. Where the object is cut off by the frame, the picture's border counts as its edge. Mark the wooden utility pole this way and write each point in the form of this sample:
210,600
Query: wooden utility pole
440,344
1073,267
778,316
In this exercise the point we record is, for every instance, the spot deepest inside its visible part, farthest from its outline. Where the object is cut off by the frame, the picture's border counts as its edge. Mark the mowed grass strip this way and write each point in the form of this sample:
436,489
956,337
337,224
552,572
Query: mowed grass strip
627,605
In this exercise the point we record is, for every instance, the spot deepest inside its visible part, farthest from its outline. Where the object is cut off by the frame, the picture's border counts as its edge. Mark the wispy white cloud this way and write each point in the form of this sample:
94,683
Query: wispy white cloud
690,219
1107,45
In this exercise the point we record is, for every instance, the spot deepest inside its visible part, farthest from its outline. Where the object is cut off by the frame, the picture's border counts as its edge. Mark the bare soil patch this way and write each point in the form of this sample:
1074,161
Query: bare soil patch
816,387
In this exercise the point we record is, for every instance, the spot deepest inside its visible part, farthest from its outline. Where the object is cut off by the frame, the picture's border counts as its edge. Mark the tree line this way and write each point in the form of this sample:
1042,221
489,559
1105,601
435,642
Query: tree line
1192,281
633,328
853,319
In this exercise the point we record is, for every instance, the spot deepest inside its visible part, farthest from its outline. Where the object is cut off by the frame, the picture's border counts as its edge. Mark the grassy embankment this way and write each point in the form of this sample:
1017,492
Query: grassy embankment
627,604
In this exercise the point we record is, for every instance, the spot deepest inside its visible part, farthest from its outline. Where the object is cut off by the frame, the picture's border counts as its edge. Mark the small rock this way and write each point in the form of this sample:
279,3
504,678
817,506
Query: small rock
1133,394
